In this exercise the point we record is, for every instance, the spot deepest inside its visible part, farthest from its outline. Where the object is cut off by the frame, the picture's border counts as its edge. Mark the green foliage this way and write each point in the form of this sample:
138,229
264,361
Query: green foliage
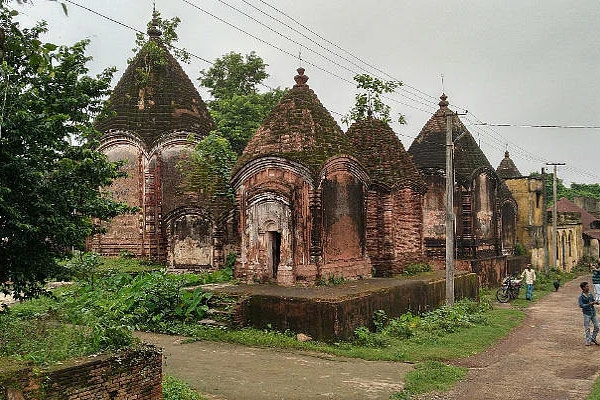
430,376
417,268
520,250
369,100
168,38
237,107
239,116
206,171
37,337
52,179
145,301
234,74
128,264
441,321
83,266
176,389
330,280
584,190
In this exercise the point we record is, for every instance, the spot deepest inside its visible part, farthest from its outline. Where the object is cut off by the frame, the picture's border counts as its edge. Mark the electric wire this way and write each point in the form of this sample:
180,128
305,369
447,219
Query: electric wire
332,52
475,125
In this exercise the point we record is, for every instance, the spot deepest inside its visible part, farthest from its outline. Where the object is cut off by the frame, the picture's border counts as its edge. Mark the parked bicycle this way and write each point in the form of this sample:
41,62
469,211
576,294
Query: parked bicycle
509,290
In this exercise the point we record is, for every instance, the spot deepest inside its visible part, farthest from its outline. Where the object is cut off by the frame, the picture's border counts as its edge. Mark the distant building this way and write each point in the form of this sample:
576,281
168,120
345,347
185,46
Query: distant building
528,192
155,115
485,211
578,234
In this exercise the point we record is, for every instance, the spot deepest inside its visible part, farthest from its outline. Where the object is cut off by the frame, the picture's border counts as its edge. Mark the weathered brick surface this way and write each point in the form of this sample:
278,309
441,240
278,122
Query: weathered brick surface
128,375
479,192
149,129
336,316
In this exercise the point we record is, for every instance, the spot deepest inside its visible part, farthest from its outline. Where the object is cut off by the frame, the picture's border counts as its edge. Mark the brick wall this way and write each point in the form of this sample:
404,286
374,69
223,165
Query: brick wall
132,375
335,318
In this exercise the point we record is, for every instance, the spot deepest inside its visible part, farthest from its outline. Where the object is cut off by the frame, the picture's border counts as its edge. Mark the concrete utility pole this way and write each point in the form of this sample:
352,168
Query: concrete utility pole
545,223
554,214
449,212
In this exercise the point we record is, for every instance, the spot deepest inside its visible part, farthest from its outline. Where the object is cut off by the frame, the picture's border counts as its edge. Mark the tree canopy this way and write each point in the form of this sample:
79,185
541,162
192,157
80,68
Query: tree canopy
237,107
51,176
234,74
368,101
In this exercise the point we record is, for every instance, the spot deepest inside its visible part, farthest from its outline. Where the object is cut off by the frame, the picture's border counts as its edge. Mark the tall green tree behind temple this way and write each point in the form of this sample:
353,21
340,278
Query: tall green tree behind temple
591,190
237,107
51,177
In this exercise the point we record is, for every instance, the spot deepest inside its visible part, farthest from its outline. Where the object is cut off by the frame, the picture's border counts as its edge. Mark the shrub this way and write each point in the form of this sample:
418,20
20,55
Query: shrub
176,389
417,268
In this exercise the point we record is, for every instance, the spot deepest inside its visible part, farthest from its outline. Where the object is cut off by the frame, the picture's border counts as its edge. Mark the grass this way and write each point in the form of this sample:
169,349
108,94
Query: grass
43,341
127,265
463,343
176,389
430,376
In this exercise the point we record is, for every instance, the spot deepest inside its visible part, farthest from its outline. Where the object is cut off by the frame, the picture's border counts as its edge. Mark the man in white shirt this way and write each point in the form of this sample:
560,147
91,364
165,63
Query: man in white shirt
529,275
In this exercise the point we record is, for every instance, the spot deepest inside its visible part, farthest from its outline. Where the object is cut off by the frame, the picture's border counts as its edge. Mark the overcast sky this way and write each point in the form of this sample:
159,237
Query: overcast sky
511,62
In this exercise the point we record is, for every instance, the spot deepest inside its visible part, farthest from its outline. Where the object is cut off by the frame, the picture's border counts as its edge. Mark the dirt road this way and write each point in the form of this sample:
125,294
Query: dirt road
543,359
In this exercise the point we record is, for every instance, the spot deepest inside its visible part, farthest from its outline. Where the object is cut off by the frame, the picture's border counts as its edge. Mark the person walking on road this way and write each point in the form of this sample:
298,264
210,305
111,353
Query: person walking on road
529,275
586,303
596,279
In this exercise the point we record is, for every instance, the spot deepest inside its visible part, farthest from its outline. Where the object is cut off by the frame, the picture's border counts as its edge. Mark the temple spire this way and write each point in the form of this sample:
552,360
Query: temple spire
153,31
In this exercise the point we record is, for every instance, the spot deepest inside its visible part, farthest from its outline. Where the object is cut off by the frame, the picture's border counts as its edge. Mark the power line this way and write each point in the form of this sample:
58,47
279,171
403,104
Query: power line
477,126
542,126
346,51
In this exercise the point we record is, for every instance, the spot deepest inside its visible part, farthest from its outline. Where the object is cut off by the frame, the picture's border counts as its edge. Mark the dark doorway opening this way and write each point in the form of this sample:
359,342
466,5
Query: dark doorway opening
274,252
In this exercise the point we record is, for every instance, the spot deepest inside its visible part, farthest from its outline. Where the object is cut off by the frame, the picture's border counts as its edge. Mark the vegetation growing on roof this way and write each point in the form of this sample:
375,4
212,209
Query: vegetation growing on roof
368,101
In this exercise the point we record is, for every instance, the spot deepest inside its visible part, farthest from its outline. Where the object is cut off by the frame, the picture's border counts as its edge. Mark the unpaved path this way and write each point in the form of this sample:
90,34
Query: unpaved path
543,359
235,372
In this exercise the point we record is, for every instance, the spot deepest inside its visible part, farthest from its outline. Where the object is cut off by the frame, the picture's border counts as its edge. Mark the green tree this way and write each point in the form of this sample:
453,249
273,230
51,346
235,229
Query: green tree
234,74
561,189
51,177
237,107
369,99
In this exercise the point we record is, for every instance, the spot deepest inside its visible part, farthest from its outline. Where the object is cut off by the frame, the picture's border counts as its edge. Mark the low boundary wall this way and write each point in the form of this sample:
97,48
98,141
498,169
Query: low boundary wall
134,374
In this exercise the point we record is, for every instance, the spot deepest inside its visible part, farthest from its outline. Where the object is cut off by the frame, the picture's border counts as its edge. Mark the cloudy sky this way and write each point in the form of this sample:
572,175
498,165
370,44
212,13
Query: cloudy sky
517,63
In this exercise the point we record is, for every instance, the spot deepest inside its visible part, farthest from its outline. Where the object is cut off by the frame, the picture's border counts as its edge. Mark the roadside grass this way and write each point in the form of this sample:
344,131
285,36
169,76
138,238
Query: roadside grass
176,389
423,347
429,376
595,394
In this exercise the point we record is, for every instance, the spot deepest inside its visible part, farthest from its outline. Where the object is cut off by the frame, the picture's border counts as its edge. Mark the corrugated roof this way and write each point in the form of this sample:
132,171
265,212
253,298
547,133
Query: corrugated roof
382,154
507,168
298,128
167,103
429,148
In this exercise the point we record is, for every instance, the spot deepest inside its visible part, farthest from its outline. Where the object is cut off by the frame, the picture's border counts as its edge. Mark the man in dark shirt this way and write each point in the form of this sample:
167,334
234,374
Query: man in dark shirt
586,302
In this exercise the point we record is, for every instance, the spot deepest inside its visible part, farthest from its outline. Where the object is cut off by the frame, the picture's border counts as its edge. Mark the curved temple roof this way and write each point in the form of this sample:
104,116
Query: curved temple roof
429,148
167,102
298,128
382,154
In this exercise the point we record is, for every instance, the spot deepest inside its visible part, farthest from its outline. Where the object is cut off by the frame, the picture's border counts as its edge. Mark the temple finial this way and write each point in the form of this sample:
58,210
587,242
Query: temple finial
301,79
153,31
